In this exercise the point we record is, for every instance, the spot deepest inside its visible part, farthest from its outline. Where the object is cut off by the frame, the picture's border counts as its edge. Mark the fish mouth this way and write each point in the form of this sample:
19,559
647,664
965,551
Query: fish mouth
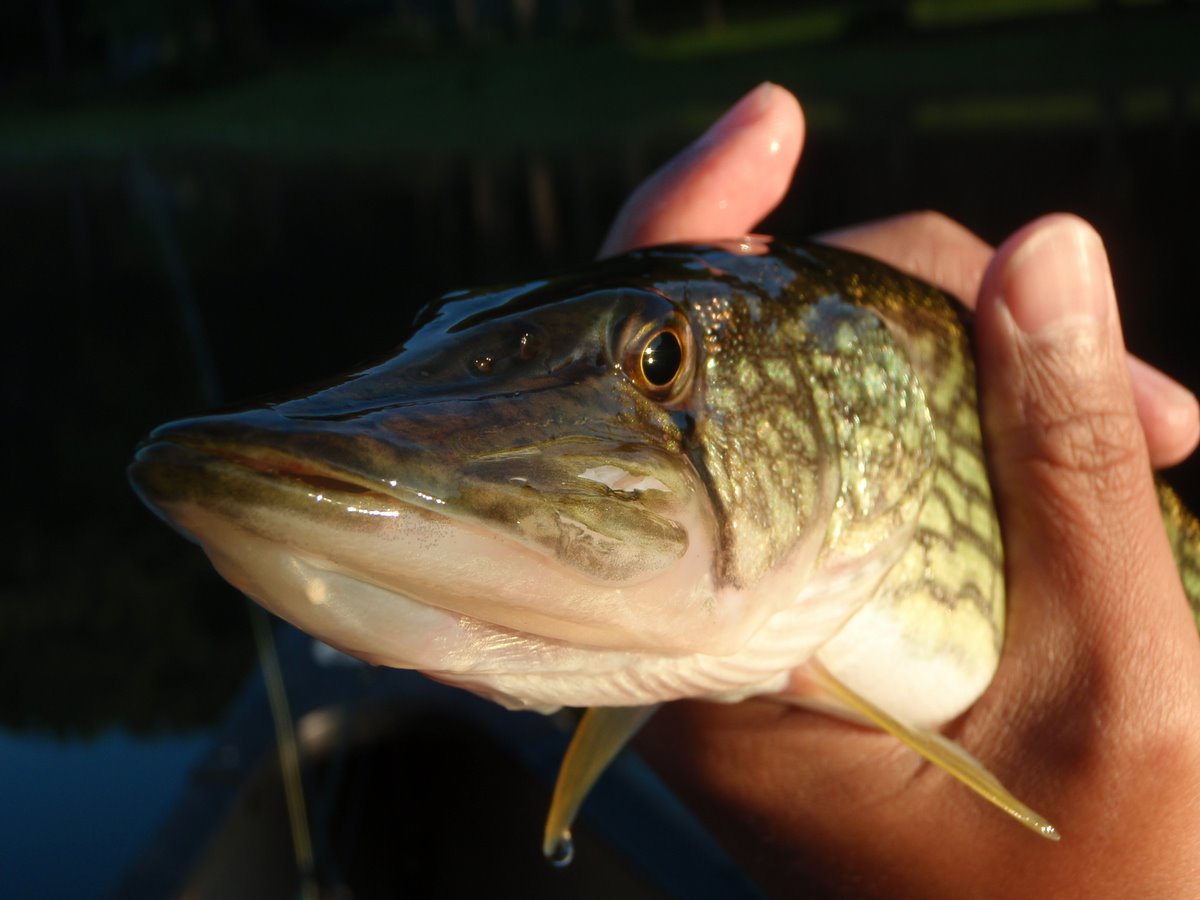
303,474
166,470
493,492
581,565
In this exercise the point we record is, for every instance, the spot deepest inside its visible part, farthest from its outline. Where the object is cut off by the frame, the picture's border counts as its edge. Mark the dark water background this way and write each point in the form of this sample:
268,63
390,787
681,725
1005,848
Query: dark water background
195,231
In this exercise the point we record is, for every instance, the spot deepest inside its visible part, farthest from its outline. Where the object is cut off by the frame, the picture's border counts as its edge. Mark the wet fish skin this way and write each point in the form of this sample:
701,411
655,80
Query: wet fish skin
521,501
818,461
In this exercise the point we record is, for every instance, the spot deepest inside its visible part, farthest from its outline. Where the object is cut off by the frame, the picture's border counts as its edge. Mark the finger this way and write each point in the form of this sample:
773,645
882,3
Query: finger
723,184
928,245
1102,650
1168,411
937,249
1082,527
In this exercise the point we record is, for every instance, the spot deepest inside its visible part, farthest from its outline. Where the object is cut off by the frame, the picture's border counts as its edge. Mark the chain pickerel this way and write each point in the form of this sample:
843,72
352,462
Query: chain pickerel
708,471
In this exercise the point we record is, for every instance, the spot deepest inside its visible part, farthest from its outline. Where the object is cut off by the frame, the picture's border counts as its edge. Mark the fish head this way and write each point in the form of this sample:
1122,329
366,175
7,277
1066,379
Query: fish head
601,461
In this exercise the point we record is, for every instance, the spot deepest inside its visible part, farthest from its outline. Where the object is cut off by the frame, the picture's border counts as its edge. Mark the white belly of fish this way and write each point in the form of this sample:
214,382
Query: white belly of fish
524,670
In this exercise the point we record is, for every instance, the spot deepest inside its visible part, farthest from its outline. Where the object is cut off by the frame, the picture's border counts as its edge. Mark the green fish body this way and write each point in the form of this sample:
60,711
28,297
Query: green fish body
690,471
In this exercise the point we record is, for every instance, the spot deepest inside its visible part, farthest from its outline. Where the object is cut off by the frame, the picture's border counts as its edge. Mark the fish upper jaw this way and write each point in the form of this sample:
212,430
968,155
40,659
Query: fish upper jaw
419,546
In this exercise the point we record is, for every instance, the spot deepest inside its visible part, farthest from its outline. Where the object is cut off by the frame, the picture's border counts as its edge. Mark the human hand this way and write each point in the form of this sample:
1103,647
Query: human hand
726,182
1094,715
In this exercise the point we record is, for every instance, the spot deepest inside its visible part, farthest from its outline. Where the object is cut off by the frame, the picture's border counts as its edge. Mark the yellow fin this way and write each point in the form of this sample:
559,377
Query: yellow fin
599,737
942,752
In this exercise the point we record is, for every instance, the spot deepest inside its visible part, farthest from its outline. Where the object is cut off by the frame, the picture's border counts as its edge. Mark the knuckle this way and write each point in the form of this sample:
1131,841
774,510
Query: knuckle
945,253
927,219
1099,444
1083,433
1091,460
934,224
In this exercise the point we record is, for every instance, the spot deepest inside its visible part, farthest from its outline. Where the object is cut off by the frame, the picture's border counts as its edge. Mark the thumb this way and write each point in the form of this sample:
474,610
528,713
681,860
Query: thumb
1083,533
724,184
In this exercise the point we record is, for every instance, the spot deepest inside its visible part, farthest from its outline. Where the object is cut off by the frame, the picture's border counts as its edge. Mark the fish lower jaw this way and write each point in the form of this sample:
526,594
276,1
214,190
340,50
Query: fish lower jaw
519,667
459,566
514,668
522,670
563,675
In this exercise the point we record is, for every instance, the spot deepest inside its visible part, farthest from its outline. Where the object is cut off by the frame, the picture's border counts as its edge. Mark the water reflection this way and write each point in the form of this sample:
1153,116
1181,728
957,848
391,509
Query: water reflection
77,830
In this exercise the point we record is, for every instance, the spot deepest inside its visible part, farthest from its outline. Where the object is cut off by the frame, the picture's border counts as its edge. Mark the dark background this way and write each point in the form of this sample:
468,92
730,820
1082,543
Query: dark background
206,200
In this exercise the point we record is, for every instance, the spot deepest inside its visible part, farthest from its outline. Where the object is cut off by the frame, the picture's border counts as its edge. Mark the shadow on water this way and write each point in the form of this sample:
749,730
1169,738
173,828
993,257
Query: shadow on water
142,285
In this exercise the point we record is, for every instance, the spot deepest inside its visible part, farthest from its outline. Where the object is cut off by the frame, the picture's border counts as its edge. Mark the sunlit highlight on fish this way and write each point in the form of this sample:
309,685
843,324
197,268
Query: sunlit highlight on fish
696,471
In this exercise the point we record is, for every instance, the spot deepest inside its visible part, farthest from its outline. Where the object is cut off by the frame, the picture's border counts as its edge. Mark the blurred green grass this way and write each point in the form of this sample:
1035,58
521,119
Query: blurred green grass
367,100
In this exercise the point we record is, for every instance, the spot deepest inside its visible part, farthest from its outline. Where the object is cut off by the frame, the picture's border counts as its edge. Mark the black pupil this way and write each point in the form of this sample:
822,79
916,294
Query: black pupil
662,358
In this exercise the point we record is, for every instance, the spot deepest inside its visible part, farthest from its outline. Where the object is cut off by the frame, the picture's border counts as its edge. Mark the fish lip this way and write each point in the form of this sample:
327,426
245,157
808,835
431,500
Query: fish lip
268,461
190,451
168,472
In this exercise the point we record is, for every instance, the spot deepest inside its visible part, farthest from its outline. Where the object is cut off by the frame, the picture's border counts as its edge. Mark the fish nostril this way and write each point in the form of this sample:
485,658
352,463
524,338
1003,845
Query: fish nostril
529,346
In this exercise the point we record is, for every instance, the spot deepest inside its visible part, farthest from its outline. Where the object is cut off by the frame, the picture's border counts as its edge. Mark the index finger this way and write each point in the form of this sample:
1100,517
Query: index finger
929,245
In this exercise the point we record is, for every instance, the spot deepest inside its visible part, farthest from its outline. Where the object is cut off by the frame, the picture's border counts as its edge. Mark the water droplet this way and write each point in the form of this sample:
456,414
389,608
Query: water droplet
563,852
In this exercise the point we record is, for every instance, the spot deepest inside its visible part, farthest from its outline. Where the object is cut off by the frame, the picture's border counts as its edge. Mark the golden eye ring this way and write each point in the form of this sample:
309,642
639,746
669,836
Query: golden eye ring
659,359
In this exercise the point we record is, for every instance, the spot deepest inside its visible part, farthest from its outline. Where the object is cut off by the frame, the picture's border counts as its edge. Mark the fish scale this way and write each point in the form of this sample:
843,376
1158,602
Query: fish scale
523,502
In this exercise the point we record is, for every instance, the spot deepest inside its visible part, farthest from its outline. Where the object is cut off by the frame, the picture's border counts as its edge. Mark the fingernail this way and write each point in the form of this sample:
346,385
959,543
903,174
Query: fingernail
1059,273
745,112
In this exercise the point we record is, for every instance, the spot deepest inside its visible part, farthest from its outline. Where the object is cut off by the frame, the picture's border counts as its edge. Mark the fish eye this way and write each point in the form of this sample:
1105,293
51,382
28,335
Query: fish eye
658,358
662,358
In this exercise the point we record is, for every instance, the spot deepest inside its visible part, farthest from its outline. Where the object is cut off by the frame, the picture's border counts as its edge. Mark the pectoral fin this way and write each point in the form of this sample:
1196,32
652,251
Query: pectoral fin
943,753
600,735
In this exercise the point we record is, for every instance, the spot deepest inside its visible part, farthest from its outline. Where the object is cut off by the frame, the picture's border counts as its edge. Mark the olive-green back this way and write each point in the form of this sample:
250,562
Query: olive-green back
1183,531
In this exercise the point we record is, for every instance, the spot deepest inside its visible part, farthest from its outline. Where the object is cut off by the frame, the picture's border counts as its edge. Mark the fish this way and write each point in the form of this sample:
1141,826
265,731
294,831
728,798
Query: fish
714,471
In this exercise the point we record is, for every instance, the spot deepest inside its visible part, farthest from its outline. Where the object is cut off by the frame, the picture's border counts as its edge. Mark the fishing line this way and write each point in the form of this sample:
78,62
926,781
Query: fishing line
289,752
